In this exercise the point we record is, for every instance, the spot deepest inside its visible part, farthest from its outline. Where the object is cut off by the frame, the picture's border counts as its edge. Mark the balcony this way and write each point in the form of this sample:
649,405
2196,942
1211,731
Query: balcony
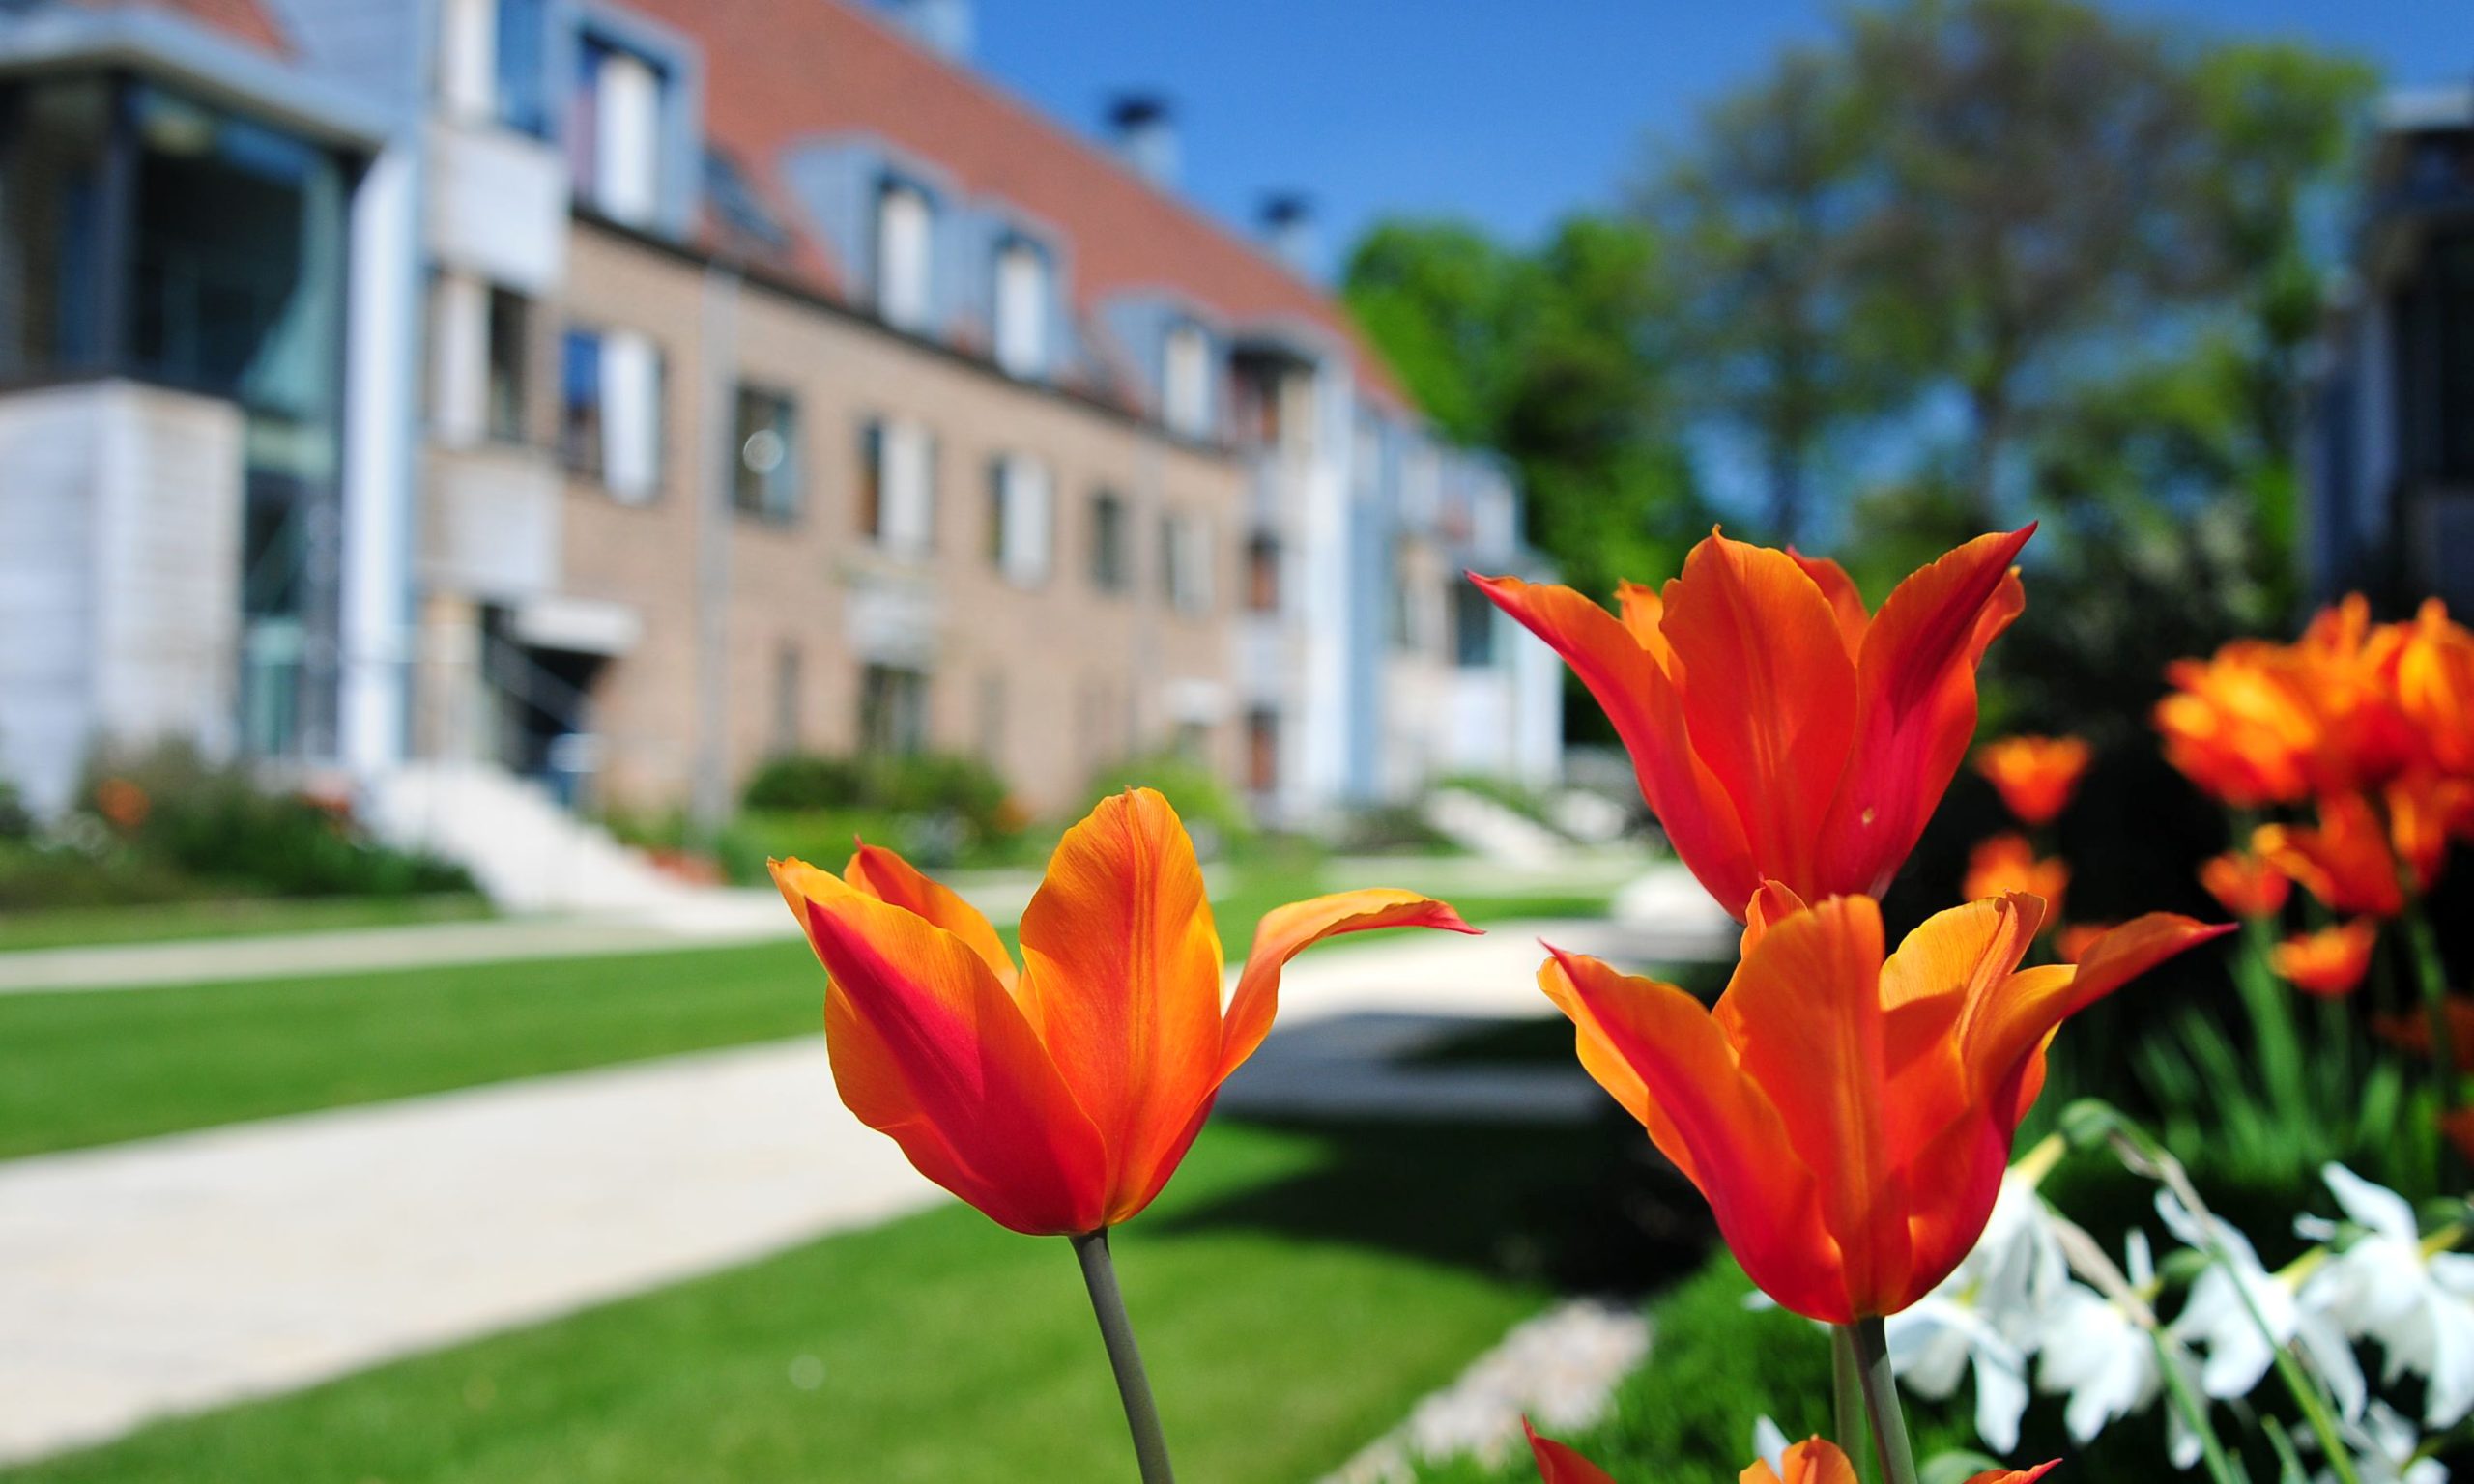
499,205
490,526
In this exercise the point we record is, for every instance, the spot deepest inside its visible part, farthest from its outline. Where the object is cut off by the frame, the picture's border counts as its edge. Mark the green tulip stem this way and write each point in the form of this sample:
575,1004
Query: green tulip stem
1125,1358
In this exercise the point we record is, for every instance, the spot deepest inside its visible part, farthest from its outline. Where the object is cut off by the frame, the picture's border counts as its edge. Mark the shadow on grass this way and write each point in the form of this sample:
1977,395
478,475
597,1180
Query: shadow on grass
1587,1207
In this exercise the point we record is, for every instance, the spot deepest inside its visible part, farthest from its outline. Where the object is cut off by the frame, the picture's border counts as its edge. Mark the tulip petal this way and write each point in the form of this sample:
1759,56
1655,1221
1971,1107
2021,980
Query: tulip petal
1845,602
1286,931
1719,1128
1597,1054
2013,1023
1631,685
1644,616
928,1048
1560,1465
1815,1038
1814,1461
876,871
1121,974
1769,692
1917,679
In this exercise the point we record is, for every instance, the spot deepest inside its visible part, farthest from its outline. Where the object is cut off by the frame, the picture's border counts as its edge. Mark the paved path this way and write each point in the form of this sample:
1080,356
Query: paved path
186,1272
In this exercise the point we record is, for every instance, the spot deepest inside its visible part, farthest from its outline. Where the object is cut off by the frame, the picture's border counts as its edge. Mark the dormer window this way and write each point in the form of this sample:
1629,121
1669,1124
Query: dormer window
1022,308
614,141
904,222
1185,381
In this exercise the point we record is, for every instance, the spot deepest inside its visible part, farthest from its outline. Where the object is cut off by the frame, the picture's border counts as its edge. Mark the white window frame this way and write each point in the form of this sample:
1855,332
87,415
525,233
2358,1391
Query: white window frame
1020,308
631,421
1187,554
906,489
1185,380
905,250
628,137
1025,519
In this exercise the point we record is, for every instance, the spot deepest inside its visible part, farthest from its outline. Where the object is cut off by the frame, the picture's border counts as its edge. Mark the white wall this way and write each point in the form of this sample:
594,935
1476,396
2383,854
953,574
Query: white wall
120,570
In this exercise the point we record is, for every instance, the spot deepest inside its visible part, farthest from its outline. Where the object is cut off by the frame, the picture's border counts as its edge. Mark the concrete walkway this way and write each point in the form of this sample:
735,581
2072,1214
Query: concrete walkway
190,1271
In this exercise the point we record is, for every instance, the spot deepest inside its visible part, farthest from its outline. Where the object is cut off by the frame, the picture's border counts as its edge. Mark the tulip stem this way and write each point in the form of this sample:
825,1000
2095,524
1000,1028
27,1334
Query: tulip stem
1880,1399
1846,1395
1125,1358
2433,976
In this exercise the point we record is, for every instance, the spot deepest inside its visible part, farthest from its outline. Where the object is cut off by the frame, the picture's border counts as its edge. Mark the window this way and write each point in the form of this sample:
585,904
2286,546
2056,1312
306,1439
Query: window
903,221
897,486
893,711
1263,750
786,698
466,70
613,140
1110,562
478,348
610,410
1185,381
1262,574
521,64
1473,625
509,355
1022,308
1019,519
764,463
1185,562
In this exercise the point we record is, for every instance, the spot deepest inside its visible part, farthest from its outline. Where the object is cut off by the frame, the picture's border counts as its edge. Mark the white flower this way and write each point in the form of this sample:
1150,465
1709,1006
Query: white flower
2384,1447
1987,1315
2241,1314
2105,1360
2385,1286
1932,1343
1770,1443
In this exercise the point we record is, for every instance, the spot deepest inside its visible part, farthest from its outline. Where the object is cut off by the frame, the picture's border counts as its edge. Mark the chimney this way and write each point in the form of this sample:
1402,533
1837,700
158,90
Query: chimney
1144,130
1288,221
942,26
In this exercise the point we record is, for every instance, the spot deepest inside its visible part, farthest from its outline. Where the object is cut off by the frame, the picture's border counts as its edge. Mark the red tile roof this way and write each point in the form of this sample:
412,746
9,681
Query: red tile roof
778,72
243,20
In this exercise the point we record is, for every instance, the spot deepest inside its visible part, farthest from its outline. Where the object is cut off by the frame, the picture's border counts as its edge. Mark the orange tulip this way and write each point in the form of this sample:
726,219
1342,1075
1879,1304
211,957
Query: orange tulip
2075,941
2343,861
2425,811
1814,1461
2410,1032
2245,885
2004,864
2330,962
2036,776
1848,1117
1778,730
2241,724
1059,1096
2433,676
2346,662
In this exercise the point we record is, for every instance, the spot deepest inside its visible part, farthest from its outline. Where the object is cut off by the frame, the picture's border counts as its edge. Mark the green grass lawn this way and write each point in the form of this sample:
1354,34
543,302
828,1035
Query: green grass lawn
1296,1291
170,921
92,1067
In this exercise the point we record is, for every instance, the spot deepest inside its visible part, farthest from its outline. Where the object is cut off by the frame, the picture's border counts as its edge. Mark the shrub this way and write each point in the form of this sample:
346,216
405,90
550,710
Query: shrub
1212,811
215,825
926,785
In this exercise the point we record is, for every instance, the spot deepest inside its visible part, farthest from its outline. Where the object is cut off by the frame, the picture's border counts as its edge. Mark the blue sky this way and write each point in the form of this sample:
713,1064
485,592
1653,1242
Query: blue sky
1507,114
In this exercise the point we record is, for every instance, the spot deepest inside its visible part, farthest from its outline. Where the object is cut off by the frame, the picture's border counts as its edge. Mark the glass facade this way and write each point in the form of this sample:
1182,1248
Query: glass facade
149,235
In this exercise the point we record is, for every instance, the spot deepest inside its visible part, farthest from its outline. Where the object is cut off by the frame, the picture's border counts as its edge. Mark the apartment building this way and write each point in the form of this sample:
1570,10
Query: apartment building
621,391
2389,440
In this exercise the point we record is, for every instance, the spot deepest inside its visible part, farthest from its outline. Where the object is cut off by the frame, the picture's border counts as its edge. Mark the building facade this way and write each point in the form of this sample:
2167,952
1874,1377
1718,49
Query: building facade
2390,445
624,391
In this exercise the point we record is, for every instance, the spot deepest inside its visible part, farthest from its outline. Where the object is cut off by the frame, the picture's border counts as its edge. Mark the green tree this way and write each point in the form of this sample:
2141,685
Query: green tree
1553,359
1772,318
2039,171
